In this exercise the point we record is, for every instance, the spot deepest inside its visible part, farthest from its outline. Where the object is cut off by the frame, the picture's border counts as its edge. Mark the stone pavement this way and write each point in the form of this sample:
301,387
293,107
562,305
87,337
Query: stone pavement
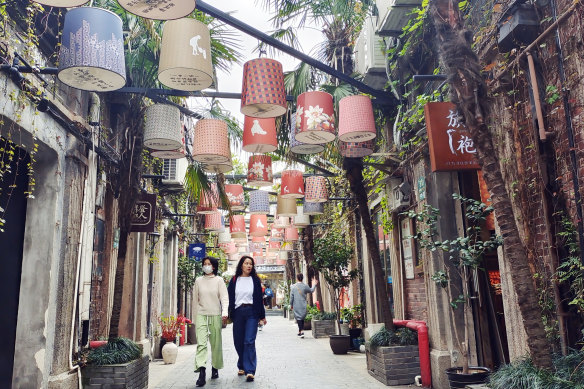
284,362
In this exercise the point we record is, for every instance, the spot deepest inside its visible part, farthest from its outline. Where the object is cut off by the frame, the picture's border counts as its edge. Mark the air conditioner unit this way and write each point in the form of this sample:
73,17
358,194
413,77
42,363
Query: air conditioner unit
370,56
174,171
394,15
399,195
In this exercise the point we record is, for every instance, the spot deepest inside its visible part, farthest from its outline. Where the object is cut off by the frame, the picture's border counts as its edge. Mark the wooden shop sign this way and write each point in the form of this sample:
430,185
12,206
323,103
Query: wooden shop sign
144,214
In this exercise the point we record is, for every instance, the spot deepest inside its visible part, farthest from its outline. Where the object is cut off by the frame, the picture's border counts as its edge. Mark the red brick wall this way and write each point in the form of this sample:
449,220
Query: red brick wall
416,306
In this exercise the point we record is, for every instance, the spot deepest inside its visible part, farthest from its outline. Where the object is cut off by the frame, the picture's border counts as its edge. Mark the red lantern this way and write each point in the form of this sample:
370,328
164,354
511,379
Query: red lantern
262,93
208,201
316,191
316,115
356,149
277,233
237,227
259,135
258,225
259,170
213,221
234,193
356,121
292,184
211,143
291,233
274,245
298,147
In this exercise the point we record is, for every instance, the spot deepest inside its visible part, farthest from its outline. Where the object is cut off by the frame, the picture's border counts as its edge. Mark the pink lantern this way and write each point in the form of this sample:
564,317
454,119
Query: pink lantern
258,225
356,149
213,221
282,222
277,234
237,227
316,191
282,258
298,147
211,143
269,261
218,167
208,201
291,233
292,184
274,246
316,115
262,93
234,193
259,170
356,121
259,135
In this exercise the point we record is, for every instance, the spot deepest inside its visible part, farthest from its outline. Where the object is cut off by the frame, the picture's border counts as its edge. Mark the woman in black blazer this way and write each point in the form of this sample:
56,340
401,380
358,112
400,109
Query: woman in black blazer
246,309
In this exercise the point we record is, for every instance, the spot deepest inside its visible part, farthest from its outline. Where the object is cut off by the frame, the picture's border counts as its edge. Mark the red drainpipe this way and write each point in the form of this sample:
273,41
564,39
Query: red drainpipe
423,347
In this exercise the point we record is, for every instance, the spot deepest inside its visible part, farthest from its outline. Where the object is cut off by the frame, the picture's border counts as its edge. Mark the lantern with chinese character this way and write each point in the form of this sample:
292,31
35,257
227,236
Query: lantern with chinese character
91,55
237,227
259,202
298,147
211,143
185,55
356,120
286,206
316,191
301,220
315,112
262,93
259,135
259,170
356,149
234,193
292,184
258,225
213,221
208,201
313,208
162,128
159,9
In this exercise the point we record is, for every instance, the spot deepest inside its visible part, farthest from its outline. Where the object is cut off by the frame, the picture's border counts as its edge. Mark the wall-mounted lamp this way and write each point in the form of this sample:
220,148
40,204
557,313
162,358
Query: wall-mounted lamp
154,238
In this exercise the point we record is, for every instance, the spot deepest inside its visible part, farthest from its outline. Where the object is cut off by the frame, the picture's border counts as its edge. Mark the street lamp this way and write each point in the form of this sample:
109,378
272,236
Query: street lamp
154,237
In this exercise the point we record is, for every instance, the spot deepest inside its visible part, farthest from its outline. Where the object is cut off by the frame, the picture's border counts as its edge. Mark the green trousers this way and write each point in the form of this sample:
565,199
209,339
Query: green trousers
208,330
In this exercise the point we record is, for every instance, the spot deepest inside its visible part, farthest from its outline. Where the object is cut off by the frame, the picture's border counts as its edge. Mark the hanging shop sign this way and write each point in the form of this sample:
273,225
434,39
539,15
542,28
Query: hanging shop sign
451,147
197,252
144,213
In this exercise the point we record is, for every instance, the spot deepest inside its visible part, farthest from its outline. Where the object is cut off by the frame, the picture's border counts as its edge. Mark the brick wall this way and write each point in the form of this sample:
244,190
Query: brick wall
132,375
416,306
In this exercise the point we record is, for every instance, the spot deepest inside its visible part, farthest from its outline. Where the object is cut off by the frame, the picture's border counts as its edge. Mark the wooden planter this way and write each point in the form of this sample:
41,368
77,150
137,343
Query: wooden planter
307,325
323,328
128,375
393,365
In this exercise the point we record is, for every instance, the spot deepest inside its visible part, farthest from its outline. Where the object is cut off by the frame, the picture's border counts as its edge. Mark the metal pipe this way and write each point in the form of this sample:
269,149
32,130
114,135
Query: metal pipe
423,347
181,93
536,98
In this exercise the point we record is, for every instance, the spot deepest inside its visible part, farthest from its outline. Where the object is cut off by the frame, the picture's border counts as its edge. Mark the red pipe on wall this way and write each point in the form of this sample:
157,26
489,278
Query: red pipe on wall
423,347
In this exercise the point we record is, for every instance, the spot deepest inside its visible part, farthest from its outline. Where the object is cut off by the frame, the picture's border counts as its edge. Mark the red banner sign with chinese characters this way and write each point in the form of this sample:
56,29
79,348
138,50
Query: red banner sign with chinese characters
451,147
144,213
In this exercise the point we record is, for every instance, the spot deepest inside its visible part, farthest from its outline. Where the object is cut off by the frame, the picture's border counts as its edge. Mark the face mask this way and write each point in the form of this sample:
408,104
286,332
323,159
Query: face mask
208,269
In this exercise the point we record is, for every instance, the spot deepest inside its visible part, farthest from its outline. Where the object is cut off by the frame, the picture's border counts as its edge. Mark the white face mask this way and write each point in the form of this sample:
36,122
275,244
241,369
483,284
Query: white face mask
208,269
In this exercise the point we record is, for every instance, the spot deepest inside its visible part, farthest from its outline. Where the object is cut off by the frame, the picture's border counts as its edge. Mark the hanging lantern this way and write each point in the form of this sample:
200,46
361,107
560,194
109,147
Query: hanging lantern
259,135
185,55
259,170
259,260
282,258
218,167
292,184
235,195
262,93
91,57
316,116
316,191
259,202
208,201
298,147
277,233
286,206
211,143
356,121
301,220
356,149
258,225
159,9
260,240
274,246
313,208
237,227
213,221
281,222
62,3
224,238
291,233
168,154
162,128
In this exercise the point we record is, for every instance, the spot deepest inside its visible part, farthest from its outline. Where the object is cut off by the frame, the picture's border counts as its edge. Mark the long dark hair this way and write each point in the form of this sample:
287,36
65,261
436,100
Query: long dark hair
239,271
214,262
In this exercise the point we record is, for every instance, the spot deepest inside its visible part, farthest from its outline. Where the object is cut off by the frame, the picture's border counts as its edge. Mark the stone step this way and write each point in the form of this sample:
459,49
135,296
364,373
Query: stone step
274,312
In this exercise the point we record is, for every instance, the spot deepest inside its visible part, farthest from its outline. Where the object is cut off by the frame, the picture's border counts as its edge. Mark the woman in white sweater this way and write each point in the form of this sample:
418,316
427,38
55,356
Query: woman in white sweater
211,305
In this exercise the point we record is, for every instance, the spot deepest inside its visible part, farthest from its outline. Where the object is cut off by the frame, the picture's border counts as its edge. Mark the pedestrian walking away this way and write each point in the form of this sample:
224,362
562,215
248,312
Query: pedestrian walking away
246,309
298,294
268,295
212,303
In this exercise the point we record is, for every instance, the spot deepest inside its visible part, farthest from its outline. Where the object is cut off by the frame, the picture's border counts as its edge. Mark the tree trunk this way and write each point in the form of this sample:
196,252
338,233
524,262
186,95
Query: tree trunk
469,93
354,172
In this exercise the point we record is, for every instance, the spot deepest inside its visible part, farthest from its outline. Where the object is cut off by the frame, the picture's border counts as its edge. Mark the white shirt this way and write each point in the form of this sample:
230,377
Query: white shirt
243,291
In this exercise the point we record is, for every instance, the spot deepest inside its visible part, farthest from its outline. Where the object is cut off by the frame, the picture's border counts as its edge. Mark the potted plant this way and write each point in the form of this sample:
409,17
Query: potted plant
311,310
169,329
331,259
466,254
354,316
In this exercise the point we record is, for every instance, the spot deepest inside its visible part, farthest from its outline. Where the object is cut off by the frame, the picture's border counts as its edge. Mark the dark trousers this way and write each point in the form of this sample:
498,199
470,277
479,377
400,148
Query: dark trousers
300,325
245,329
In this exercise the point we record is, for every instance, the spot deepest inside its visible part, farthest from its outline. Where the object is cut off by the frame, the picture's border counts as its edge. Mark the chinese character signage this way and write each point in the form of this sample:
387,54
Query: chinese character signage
196,252
144,214
451,147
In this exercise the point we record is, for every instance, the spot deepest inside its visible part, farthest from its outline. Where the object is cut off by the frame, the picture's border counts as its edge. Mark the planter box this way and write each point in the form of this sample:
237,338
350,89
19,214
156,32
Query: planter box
323,328
131,375
307,325
393,365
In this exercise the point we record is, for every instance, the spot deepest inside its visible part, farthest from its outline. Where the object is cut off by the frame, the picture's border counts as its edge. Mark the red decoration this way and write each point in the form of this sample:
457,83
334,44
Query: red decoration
316,118
259,135
262,93
356,120
292,184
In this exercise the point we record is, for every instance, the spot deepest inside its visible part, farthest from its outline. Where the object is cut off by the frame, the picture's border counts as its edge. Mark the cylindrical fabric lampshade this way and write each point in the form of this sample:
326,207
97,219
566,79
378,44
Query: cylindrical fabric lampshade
316,191
281,222
91,57
209,201
298,147
218,167
262,93
286,206
235,195
258,225
313,208
168,154
162,128
185,55
62,3
291,233
356,121
277,234
282,258
292,184
159,9
213,221
211,143
259,202
316,114
237,227
259,135
224,237
274,245
301,220
259,170
356,149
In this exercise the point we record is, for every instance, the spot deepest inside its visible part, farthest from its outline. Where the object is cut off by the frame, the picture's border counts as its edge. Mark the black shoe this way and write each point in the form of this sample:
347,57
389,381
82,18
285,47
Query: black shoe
201,381
214,373
250,378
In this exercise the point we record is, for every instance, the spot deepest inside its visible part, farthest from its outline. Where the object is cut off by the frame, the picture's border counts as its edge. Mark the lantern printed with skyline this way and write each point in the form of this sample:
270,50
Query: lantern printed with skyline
259,202
213,221
262,92
185,55
316,191
356,120
298,147
301,220
259,170
158,9
237,227
208,200
356,149
259,135
286,207
234,193
315,118
258,225
211,143
313,208
91,55
292,184
162,128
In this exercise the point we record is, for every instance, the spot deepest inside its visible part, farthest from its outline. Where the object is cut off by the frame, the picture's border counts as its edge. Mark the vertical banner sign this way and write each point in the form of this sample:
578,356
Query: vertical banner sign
451,147
486,198
144,214
196,252
407,248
